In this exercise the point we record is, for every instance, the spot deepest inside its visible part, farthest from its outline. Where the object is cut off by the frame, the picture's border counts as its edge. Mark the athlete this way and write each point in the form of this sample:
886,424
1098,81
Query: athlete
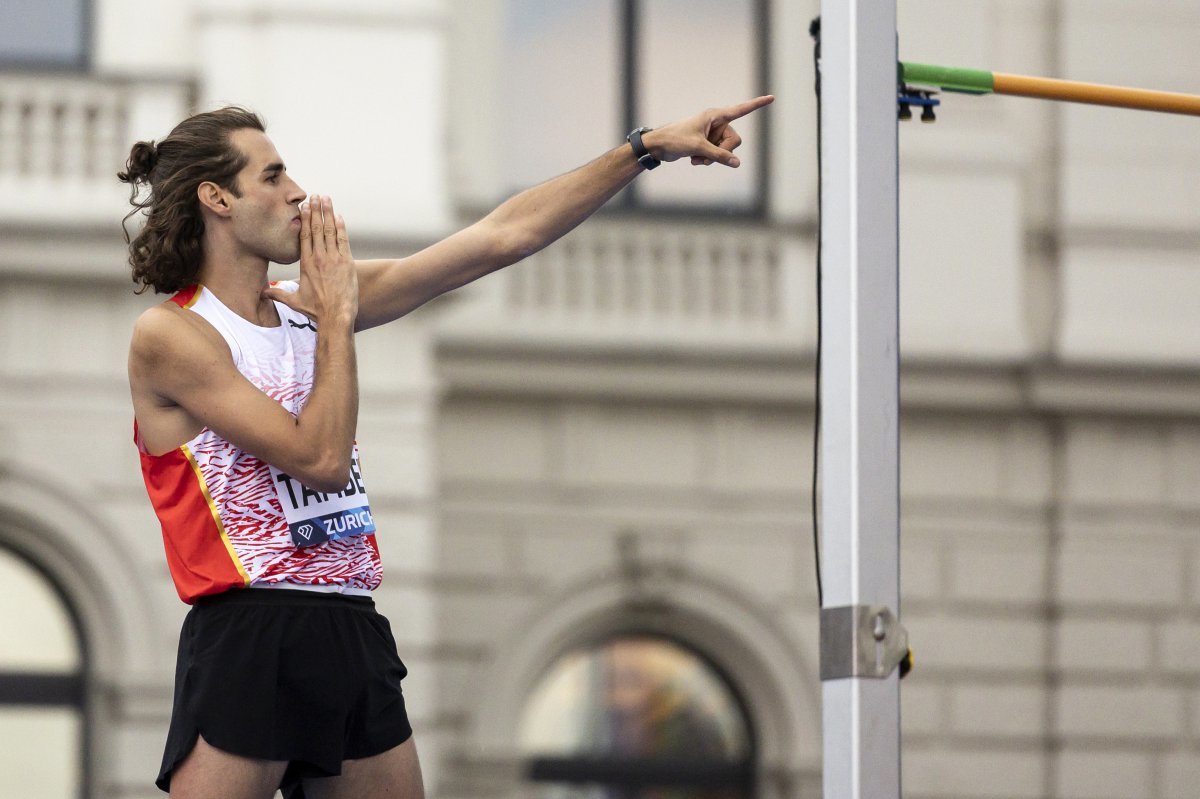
245,396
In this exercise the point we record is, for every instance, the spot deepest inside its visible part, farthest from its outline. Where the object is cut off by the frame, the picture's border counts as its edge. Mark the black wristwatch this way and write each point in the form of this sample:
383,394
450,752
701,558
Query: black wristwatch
640,152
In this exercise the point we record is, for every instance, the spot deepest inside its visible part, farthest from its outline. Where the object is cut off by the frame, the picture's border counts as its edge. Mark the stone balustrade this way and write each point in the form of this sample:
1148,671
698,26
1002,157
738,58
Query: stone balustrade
63,138
623,281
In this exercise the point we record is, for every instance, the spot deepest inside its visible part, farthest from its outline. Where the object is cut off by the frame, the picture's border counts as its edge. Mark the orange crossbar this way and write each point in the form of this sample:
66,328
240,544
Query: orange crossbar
1096,94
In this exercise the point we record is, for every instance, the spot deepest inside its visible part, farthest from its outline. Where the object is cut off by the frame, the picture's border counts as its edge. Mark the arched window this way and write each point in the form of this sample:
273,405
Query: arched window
42,719
637,717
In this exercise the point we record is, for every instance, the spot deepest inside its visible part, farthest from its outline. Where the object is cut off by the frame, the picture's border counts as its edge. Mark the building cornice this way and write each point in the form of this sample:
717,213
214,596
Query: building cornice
553,369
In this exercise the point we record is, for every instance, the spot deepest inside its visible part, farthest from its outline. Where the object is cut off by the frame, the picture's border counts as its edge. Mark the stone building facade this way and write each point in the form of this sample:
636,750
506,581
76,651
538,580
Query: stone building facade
614,438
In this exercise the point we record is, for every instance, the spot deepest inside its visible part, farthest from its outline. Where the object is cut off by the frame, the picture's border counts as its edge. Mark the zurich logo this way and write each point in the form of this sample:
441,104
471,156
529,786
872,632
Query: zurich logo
305,530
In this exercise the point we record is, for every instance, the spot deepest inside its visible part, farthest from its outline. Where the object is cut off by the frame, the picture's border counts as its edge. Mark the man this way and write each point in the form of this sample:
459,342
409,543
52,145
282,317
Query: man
245,395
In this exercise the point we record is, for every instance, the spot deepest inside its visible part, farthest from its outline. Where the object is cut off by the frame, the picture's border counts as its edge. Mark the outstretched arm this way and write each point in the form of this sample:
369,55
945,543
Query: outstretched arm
529,221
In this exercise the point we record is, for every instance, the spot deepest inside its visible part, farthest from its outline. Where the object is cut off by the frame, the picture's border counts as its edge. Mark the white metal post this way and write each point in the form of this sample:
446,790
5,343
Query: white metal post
860,395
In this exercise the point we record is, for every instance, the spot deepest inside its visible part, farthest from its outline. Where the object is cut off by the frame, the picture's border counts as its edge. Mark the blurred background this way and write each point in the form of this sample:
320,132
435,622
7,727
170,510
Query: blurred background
591,471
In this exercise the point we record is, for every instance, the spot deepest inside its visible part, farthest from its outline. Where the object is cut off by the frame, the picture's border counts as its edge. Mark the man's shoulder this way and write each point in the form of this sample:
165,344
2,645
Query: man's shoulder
168,330
157,322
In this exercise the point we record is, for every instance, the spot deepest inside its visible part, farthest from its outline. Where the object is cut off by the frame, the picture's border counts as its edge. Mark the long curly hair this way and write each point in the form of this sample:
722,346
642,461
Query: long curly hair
167,252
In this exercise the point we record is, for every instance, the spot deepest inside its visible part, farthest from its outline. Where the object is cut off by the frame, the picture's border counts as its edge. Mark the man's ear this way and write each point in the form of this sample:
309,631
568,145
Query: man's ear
213,198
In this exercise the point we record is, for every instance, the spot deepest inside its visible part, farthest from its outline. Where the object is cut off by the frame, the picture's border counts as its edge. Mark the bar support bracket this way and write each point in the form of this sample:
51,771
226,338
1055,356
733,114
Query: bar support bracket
861,641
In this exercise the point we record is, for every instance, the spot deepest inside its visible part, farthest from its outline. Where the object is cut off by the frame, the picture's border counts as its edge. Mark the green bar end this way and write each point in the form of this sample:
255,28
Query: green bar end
952,79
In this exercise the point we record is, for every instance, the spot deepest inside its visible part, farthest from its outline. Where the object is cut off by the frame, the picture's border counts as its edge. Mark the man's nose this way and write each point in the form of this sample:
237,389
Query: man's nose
297,194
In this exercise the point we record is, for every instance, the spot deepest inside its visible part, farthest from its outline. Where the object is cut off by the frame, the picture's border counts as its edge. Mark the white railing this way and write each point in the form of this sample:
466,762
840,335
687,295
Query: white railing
625,274
63,138
621,281
60,128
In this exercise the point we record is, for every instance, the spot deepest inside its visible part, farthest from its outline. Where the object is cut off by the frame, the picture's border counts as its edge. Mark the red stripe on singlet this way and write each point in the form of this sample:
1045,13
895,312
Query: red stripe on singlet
198,555
185,297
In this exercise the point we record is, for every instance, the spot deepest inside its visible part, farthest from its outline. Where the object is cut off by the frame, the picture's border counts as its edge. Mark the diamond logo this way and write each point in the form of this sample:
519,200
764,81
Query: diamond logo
305,531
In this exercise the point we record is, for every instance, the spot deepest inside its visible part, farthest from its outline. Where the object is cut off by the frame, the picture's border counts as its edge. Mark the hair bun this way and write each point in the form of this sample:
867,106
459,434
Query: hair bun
142,159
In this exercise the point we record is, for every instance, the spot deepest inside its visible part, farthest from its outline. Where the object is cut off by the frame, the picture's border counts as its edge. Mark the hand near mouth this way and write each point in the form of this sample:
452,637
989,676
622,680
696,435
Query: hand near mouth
328,280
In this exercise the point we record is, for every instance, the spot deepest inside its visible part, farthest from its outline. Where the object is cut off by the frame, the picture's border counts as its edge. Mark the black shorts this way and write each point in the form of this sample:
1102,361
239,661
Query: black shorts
313,679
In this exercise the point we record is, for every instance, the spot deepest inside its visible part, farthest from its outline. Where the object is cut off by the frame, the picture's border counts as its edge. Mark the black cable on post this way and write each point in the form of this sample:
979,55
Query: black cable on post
814,30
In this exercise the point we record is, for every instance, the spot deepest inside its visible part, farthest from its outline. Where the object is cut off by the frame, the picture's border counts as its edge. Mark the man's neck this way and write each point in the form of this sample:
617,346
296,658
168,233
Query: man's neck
238,282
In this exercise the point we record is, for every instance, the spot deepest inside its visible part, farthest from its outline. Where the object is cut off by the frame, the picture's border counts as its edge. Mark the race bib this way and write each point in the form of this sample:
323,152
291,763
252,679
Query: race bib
315,517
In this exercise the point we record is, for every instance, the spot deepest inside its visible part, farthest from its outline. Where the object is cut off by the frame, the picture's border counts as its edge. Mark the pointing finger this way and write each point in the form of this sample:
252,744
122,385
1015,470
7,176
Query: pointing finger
733,112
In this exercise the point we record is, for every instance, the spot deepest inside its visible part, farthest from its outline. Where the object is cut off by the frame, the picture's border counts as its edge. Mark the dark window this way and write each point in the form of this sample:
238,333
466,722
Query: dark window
580,74
45,33
42,720
637,717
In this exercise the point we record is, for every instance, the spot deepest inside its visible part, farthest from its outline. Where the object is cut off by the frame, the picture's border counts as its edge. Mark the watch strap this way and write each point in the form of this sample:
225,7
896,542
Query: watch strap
643,156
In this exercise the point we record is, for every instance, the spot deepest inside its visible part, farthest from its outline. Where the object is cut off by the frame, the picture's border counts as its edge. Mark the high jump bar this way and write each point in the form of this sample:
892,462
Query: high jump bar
978,81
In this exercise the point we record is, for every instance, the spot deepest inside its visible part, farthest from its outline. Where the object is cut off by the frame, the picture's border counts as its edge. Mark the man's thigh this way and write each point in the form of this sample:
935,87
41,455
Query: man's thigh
209,772
394,774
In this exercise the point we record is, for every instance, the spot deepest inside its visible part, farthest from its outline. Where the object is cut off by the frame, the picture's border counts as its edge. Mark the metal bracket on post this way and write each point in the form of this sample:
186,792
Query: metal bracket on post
861,641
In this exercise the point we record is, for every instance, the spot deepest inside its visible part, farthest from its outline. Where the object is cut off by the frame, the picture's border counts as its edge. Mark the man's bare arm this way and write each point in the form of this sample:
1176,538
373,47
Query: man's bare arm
181,371
536,217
